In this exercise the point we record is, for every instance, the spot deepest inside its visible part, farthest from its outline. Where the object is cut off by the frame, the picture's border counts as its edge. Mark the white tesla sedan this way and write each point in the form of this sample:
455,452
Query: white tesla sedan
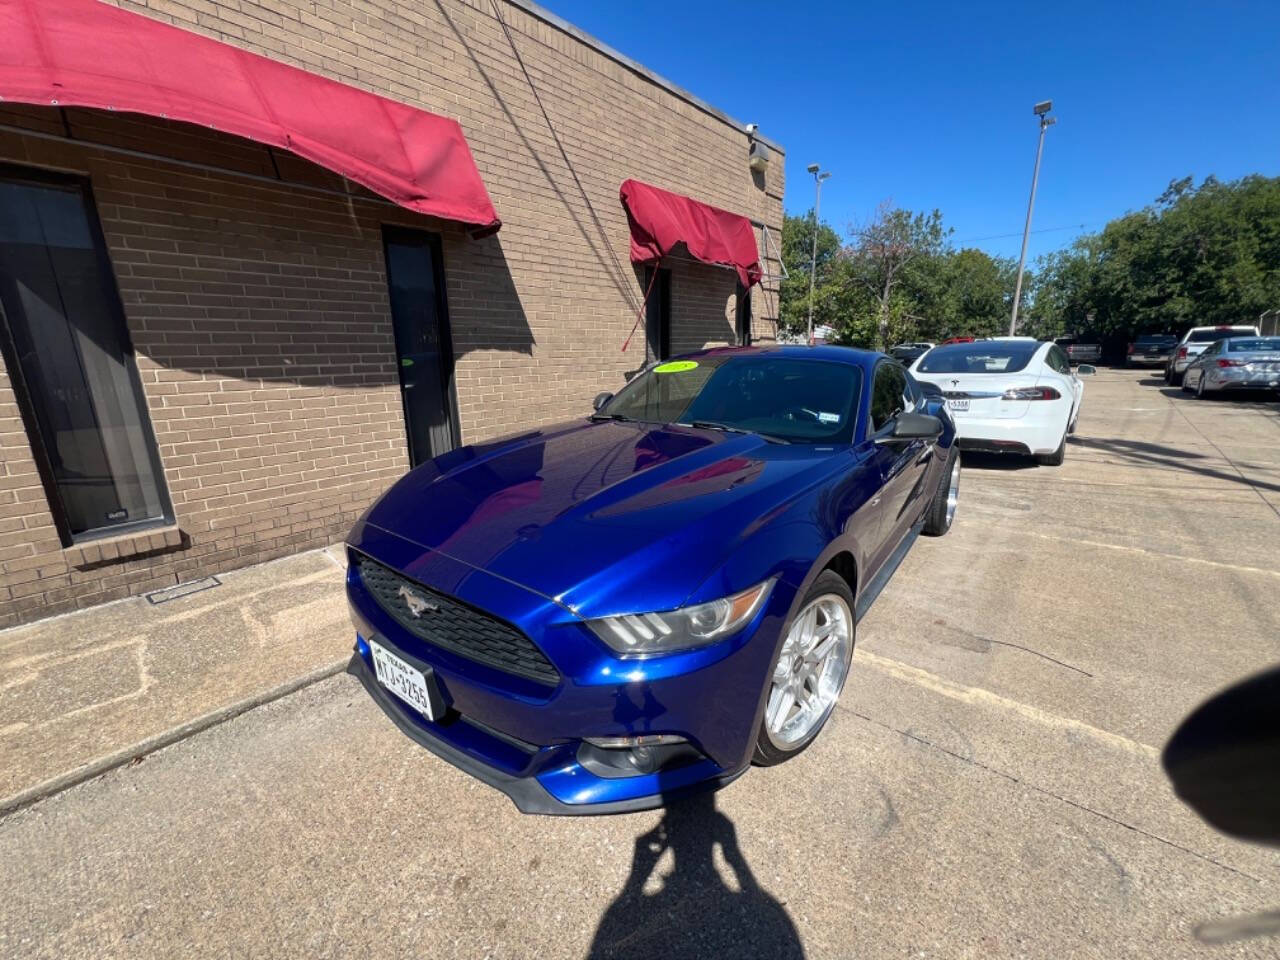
1008,395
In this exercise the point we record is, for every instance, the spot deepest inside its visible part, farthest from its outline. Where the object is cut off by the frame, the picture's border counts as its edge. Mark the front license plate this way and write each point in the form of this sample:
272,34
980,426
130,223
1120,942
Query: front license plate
403,679
958,404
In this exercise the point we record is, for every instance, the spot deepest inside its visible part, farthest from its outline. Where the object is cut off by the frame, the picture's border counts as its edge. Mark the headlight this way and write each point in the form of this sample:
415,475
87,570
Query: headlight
650,634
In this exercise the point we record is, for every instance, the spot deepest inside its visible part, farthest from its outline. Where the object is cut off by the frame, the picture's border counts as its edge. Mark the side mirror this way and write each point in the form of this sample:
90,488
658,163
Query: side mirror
1224,760
913,426
601,399
1086,370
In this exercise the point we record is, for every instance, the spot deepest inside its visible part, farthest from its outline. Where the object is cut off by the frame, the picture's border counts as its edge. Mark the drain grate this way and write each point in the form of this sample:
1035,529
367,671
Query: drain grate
178,590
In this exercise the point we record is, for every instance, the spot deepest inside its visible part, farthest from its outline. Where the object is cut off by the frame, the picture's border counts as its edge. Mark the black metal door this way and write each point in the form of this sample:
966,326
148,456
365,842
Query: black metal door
424,349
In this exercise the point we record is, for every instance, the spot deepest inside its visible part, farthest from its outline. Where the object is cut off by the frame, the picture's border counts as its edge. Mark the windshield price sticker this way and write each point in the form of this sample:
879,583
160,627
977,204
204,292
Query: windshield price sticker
824,417
675,366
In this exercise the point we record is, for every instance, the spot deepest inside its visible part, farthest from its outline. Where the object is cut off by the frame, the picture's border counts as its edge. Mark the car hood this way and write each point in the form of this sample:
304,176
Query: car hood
602,516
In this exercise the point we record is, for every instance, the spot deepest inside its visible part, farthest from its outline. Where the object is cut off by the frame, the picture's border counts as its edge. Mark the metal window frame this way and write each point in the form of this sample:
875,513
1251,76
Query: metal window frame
16,173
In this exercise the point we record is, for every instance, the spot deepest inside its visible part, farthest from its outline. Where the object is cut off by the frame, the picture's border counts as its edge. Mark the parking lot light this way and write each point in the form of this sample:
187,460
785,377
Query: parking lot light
1041,110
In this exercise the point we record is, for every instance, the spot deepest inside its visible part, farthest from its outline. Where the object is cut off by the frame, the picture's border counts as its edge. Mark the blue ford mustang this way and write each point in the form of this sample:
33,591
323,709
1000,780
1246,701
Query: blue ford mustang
599,616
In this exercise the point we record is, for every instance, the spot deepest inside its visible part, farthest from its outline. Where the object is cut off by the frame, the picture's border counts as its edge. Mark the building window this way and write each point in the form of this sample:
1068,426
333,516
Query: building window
65,343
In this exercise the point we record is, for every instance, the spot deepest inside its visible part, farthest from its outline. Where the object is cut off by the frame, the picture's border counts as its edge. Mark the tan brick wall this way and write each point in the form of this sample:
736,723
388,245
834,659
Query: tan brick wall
259,311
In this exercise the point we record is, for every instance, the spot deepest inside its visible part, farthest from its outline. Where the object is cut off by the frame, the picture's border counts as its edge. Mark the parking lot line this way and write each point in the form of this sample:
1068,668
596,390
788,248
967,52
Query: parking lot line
1149,553
968,694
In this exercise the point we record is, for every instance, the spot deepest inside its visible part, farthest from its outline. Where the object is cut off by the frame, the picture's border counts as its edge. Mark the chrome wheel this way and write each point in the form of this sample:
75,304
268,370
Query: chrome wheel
953,492
810,671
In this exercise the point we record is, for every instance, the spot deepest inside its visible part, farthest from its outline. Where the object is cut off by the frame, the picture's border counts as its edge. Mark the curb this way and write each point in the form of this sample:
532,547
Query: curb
118,758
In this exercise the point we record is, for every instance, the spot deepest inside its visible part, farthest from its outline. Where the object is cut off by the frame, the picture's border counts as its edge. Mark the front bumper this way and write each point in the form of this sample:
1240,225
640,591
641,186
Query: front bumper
527,793
526,738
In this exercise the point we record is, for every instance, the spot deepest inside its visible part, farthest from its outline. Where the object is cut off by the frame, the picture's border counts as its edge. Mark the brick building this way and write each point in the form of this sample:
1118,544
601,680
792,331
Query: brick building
232,350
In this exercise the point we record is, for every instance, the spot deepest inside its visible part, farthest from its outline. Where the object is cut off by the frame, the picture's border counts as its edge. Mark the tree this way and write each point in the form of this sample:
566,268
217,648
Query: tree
1199,255
880,251
797,255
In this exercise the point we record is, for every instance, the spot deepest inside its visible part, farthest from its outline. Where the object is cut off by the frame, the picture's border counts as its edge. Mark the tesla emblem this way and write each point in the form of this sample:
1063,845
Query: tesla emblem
955,383
416,602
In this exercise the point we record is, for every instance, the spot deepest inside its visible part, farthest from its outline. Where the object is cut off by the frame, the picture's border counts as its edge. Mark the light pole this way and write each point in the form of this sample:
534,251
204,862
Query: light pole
813,261
1041,110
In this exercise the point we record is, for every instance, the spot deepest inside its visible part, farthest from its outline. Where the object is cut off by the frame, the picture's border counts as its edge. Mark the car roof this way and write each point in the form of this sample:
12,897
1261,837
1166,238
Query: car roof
801,351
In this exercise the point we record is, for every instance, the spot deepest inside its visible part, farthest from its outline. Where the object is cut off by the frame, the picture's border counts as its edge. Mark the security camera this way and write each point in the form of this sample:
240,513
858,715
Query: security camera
752,128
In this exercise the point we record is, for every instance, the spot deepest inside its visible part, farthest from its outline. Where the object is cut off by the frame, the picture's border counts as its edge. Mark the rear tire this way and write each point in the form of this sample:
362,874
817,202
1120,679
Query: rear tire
942,508
1056,458
1175,378
829,587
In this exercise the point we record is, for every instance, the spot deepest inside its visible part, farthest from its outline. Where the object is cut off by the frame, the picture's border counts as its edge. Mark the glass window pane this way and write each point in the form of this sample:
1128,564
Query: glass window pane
63,316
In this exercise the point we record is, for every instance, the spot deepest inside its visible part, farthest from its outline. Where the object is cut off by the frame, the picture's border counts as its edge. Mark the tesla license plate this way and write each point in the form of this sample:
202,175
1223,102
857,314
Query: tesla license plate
403,679
958,404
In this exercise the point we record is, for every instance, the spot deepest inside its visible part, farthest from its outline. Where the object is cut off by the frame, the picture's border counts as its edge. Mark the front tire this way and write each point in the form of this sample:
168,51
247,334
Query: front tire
942,508
1200,394
809,672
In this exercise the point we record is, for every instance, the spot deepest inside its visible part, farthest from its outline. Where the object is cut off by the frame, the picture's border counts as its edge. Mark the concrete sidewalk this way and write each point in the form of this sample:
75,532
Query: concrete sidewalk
87,691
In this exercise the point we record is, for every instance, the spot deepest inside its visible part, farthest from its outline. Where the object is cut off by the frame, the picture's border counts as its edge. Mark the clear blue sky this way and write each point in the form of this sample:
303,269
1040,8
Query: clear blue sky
929,104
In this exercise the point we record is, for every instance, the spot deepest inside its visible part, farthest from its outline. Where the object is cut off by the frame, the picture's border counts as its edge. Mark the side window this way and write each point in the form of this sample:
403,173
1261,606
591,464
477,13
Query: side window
888,393
1058,360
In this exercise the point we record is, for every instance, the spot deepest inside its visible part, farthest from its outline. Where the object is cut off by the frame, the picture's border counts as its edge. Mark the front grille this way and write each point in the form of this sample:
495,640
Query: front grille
453,626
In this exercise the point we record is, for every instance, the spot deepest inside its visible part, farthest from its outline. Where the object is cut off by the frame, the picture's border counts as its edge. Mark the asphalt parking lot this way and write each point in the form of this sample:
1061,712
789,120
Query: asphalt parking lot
989,786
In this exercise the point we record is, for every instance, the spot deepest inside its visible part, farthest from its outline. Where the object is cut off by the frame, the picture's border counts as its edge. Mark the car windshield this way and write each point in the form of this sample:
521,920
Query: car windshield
1208,336
785,398
986,356
1254,345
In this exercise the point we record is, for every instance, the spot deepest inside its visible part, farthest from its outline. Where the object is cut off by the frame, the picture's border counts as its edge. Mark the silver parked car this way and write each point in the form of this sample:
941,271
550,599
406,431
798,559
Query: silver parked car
1235,363
1193,342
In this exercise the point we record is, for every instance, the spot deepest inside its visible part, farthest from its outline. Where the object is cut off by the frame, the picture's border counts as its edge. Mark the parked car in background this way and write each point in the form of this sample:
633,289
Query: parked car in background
906,353
950,340
1235,364
598,616
1081,349
1008,395
1194,342
1151,349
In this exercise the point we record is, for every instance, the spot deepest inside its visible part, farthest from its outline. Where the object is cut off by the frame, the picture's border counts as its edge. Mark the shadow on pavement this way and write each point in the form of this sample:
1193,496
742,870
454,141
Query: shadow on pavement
1154,453
691,909
982,460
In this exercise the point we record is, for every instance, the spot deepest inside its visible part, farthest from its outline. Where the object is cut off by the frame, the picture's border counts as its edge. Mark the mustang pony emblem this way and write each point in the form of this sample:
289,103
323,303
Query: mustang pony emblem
417,603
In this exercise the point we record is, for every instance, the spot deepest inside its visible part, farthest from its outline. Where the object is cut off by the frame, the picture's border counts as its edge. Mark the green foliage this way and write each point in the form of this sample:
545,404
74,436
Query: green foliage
1197,256
896,279
797,255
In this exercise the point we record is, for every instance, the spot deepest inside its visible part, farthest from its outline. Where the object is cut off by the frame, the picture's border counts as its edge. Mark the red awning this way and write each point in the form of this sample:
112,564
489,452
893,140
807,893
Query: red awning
81,53
661,219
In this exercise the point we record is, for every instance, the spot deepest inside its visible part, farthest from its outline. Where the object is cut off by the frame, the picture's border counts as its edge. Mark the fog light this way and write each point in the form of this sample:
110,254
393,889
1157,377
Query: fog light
640,740
614,757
